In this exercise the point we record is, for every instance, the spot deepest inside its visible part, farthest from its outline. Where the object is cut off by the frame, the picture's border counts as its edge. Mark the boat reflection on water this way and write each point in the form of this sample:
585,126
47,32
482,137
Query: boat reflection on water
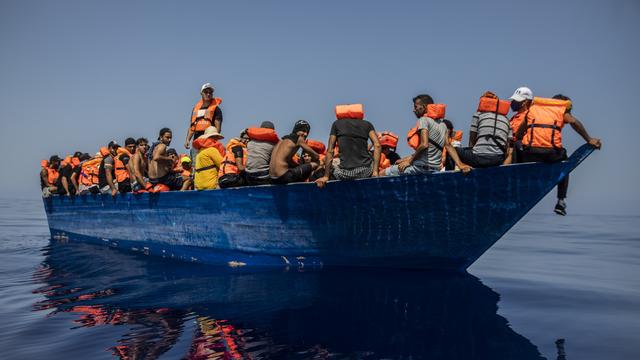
371,313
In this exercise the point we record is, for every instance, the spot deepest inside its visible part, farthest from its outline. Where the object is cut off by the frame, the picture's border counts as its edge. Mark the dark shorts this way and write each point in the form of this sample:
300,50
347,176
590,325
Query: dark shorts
258,178
472,159
232,180
299,173
124,187
172,180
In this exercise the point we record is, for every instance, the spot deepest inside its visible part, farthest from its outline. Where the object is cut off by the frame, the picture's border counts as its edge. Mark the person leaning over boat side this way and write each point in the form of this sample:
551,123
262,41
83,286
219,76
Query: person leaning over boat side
428,138
49,176
232,172
259,149
541,133
140,163
520,102
106,173
206,112
208,160
282,168
161,164
351,132
489,135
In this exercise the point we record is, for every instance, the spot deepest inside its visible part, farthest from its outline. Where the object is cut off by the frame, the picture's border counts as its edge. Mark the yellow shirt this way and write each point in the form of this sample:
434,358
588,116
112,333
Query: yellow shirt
210,159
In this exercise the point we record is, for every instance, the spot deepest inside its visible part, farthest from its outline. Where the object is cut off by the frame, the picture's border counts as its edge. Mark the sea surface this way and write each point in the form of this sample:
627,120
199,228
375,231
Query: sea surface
552,288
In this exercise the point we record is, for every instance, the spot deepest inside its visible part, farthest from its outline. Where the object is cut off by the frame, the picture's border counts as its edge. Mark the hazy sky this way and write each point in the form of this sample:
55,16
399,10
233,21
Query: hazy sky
76,74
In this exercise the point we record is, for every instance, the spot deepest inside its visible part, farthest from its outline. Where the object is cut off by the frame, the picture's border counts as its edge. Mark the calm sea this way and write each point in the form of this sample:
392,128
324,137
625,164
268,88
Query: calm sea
574,278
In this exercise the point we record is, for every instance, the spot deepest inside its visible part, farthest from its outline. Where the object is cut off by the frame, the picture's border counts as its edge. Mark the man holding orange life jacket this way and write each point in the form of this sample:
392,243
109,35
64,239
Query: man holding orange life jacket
352,133
232,172
428,138
49,175
205,113
541,134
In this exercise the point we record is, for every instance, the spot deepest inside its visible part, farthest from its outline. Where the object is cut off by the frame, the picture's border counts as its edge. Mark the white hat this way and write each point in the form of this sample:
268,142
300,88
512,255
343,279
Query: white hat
206,86
211,131
521,94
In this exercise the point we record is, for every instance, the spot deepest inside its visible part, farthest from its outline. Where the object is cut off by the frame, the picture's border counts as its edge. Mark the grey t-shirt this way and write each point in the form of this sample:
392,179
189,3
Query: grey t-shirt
258,157
486,124
432,158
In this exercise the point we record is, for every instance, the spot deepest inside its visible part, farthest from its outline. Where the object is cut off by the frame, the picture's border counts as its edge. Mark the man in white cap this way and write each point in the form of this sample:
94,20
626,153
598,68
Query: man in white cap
206,112
521,100
208,160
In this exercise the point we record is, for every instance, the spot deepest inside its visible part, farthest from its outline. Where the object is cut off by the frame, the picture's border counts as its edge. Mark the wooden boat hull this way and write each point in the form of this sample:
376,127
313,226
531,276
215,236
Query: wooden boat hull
435,221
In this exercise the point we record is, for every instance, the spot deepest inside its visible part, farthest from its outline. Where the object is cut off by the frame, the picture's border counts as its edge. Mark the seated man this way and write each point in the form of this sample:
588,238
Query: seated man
140,164
542,138
232,173
208,160
161,164
489,135
49,176
428,139
282,168
106,174
259,148
351,133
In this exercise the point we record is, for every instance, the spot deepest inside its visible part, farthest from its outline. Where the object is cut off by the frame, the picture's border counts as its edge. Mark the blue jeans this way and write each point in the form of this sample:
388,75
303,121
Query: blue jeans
393,170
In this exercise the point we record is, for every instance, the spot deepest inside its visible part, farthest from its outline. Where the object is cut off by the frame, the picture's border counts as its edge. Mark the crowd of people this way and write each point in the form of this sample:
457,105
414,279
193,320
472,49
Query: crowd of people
258,156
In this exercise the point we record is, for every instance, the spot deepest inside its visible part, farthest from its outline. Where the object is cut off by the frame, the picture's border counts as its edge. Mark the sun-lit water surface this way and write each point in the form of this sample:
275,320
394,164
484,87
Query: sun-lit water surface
549,278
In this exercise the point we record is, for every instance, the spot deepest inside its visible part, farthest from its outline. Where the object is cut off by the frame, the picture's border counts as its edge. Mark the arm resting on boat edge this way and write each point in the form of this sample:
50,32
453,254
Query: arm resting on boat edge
580,129
328,162
454,155
376,152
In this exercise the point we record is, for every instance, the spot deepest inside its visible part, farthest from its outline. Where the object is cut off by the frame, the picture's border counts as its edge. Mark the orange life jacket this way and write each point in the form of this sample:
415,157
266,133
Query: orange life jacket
89,171
350,111
202,123
262,134
388,139
515,122
317,146
121,170
186,173
545,120
229,160
494,105
434,111
384,162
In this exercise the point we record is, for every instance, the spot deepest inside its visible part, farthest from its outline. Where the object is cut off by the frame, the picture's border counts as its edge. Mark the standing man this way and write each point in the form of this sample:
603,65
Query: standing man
541,134
161,164
352,134
282,169
205,113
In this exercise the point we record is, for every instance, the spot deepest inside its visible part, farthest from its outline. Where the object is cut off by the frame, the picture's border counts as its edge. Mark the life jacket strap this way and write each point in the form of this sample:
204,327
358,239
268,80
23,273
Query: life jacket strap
206,168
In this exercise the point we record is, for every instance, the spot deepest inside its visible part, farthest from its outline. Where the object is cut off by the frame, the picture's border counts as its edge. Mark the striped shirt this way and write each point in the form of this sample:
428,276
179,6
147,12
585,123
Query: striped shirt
494,132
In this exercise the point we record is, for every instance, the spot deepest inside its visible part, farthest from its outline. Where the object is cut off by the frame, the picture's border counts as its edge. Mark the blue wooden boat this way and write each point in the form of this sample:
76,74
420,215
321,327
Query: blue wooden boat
441,220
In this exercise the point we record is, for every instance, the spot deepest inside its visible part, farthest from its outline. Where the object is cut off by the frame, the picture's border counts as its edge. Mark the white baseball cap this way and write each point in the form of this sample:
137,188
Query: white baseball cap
521,94
206,86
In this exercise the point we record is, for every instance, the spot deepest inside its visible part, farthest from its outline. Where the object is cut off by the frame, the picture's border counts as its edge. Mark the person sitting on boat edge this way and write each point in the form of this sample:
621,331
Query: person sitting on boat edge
232,173
208,160
541,134
306,158
388,144
455,138
49,175
282,169
106,173
259,149
161,164
206,112
140,163
352,133
489,135
520,102
124,166
428,138
66,183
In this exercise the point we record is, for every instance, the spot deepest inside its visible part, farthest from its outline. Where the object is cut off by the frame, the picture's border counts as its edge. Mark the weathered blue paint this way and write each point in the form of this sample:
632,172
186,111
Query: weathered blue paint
438,221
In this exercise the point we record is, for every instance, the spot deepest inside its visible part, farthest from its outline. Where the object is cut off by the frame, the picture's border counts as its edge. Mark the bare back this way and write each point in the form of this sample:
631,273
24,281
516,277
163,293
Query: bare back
281,157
